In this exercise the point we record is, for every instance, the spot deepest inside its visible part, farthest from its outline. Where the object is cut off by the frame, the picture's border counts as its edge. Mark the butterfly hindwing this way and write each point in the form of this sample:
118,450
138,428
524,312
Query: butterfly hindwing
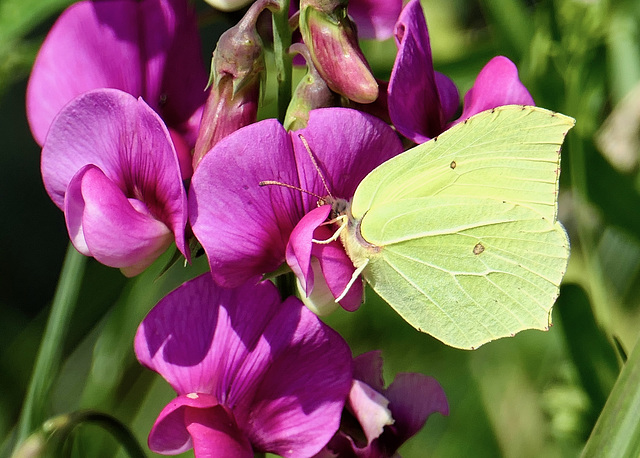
482,270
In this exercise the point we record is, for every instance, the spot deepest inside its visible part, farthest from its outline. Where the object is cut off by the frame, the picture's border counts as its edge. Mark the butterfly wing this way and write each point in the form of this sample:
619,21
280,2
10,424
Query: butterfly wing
510,153
469,249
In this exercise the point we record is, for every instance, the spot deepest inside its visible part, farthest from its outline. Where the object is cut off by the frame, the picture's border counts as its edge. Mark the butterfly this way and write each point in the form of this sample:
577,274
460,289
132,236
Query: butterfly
460,234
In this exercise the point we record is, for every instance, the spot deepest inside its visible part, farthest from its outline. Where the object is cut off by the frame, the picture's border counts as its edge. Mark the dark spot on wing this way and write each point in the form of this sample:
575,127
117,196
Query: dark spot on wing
479,248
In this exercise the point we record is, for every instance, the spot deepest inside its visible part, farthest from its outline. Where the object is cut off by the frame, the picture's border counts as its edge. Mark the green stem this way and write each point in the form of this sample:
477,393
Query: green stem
281,43
118,430
50,353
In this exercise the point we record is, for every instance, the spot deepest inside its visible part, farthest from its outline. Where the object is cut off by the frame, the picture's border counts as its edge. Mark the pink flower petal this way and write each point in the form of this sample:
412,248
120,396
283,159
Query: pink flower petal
129,143
244,227
116,231
412,399
419,98
338,270
148,48
497,84
214,433
169,434
300,245
282,372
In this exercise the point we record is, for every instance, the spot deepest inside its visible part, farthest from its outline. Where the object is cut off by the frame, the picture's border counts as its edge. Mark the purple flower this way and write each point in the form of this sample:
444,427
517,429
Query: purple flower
252,373
247,229
109,164
422,101
148,48
379,419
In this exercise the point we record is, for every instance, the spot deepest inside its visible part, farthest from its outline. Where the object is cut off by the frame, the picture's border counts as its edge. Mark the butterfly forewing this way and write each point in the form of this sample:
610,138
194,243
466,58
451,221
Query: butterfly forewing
510,153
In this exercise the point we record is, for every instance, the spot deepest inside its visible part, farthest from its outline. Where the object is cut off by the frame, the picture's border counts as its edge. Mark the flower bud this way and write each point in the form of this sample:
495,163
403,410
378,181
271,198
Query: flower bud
236,70
312,92
333,43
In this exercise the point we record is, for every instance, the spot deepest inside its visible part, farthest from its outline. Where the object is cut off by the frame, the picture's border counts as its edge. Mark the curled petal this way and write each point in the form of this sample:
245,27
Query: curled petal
129,143
321,300
169,434
338,269
104,224
244,227
214,433
497,84
415,104
300,245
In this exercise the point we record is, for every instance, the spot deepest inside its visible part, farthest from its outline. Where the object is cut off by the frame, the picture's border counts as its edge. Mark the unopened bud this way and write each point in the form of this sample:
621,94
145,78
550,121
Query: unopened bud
312,92
237,68
333,43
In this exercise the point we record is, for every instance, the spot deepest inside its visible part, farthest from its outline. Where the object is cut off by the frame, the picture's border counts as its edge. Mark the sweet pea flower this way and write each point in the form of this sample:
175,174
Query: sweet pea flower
148,48
109,163
422,101
247,229
252,373
378,419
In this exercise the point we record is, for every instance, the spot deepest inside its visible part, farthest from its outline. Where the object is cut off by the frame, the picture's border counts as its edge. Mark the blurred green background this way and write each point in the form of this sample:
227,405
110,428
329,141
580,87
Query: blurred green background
537,394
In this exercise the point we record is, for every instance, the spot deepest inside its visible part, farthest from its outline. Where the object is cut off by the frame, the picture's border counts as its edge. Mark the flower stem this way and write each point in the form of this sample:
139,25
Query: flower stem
281,43
121,433
50,353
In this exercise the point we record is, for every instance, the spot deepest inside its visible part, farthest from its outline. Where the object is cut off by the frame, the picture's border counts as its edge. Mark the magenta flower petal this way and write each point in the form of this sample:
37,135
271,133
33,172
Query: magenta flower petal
367,367
375,18
215,433
147,48
243,227
497,84
117,231
347,145
412,399
337,269
169,435
128,142
282,373
415,100
299,401
300,245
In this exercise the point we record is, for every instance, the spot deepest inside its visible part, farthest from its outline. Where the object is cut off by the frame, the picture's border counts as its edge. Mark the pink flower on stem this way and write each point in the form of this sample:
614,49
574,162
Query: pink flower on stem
110,165
248,230
422,102
378,419
148,48
252,373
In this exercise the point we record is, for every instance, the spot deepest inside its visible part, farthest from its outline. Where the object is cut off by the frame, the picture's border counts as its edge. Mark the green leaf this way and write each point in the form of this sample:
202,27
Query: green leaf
617,431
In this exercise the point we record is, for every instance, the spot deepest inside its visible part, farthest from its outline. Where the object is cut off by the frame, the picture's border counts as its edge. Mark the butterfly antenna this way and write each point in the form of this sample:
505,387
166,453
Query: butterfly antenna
315,164
290,186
